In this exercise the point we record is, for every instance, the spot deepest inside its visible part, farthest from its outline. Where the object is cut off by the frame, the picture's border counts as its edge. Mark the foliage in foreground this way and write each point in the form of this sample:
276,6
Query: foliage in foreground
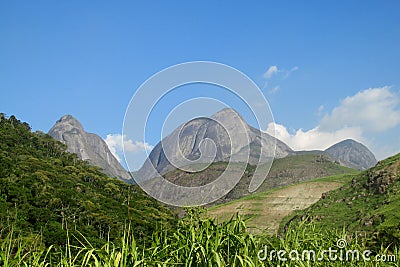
198,242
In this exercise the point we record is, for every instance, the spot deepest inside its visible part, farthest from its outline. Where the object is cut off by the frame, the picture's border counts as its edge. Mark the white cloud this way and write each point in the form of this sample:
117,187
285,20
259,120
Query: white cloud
271,71
274,76
117,142
364,114
314,139
287,73
373,110
274,90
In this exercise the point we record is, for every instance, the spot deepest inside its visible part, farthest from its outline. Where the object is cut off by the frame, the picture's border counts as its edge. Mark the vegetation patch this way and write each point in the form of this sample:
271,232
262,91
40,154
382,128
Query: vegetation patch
46,191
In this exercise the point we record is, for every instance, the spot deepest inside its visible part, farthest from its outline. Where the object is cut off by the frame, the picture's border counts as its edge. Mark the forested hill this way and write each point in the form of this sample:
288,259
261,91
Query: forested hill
45,190
367,204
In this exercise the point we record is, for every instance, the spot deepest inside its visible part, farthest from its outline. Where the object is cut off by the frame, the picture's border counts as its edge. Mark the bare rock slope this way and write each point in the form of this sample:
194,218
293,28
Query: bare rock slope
191,136
352,154
87,146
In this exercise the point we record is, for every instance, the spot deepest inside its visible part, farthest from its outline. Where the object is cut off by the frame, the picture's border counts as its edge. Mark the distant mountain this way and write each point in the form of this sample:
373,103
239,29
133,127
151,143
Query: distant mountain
187,142
87,146
188,139
352,154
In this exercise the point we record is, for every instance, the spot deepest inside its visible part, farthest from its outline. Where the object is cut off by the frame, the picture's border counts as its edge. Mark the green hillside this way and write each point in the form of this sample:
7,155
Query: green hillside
264,211
301,167
46,191
284,171
368,204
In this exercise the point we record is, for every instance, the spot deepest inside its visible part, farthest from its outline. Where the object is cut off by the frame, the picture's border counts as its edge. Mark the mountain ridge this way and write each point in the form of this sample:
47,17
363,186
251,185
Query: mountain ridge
348,152
191,134
252,145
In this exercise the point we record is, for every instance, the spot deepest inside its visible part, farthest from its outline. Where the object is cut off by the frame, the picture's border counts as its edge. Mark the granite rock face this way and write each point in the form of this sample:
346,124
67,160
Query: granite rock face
352,154
87,146
223,137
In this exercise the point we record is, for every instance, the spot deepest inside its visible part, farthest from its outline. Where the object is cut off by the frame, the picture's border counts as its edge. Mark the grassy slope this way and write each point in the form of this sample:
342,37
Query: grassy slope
299,168
265,210
368,204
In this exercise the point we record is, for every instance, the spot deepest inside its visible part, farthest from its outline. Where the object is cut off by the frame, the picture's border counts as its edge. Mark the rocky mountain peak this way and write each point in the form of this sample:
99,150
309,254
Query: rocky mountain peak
87,146
245,146
226,114
70,120
229,118
352,154
68,123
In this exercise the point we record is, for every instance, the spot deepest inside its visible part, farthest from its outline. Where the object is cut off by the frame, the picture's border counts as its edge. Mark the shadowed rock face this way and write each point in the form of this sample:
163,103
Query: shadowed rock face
192,137
352,154
87,146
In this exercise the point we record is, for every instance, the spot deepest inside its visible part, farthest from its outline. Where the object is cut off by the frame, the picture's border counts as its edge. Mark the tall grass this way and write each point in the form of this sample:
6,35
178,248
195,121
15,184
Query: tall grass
197,241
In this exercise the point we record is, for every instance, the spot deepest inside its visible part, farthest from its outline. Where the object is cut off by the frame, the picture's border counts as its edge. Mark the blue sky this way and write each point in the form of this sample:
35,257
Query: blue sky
330,62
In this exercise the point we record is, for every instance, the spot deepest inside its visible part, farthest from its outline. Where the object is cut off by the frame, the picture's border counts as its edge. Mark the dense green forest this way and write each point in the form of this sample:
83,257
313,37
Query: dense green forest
46,191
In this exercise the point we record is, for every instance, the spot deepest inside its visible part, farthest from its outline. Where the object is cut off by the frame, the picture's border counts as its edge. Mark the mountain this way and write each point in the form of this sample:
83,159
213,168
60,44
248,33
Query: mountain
190,142
352,154
47,193
233,138
87,146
